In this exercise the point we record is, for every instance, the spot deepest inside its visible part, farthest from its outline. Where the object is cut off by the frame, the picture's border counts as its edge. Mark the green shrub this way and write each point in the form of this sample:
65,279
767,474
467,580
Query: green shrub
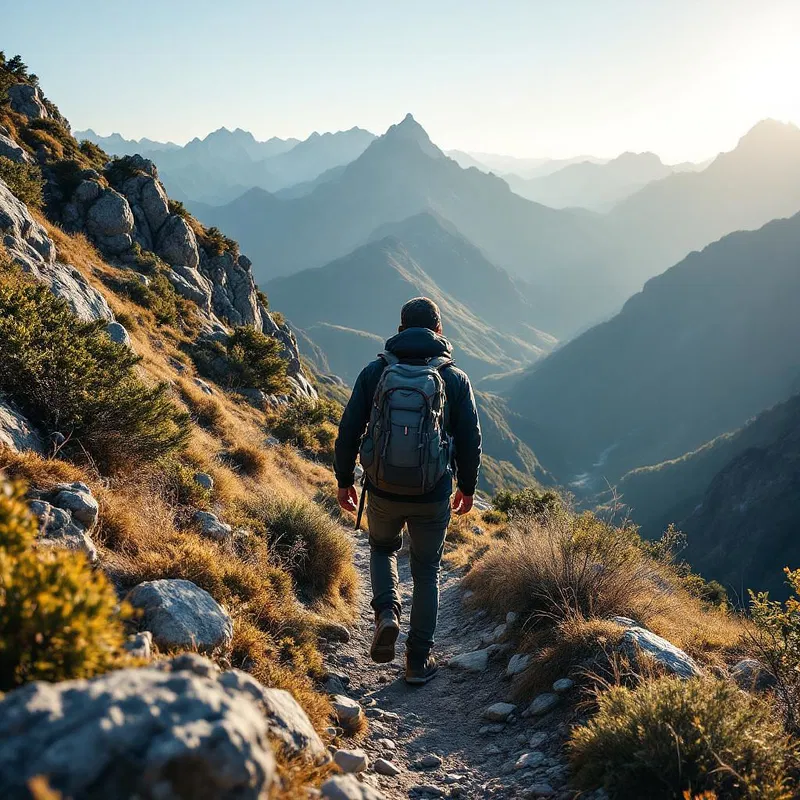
69,376
67,174
215,242
58,617
94,154
776,642
314,549
119,169
527,502
176,207
494,517
675,736
24,180
256,360
307,424
158,296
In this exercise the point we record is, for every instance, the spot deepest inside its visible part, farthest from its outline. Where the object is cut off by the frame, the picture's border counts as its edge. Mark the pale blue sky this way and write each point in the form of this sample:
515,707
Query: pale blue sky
684,78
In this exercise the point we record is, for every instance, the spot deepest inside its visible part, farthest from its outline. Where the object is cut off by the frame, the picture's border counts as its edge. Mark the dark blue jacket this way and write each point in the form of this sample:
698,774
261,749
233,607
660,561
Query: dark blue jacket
415,345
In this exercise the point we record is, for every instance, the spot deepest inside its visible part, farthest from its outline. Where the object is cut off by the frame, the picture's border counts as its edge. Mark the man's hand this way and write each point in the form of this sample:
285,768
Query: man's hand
348,499
462,503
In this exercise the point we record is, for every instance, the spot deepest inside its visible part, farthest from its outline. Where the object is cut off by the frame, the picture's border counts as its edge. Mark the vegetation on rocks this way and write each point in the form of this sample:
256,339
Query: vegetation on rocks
70,377
58,617
308,424
24,180
683,738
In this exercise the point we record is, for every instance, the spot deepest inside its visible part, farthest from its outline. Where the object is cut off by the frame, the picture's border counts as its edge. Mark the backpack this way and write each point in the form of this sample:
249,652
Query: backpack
406,449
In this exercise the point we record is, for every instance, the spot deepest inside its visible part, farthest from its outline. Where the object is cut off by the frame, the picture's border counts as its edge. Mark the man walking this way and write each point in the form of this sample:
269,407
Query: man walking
413,421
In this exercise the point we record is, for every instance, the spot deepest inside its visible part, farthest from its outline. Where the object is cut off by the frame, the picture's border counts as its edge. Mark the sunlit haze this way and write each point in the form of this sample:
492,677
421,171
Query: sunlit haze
527,78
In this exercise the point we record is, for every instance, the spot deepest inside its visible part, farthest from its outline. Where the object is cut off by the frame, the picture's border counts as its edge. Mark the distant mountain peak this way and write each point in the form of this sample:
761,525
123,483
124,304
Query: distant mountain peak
410,130
767,132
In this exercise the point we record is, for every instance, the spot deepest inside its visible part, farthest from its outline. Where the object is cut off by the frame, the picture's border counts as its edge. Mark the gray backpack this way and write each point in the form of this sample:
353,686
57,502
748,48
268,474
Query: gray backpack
406,449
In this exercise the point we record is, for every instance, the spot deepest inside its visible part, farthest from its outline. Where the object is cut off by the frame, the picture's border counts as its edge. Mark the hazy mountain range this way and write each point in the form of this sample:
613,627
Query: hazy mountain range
352,304
707,345
225,164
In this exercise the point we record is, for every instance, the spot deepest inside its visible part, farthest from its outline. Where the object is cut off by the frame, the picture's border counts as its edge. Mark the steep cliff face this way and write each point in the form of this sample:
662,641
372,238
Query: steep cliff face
123,208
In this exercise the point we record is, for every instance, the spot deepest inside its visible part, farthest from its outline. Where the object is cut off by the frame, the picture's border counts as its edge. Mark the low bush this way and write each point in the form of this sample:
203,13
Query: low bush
308,424
215,242
776,642
314,549
67,375
24,180
249,359
528,502
58,617
158,296
681,738
257,361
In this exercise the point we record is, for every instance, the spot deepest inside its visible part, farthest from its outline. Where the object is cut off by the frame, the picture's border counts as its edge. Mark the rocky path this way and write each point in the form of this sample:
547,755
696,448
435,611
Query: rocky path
441,740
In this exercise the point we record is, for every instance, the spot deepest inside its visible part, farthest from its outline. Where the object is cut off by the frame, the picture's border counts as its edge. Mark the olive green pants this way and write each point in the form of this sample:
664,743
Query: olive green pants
427,528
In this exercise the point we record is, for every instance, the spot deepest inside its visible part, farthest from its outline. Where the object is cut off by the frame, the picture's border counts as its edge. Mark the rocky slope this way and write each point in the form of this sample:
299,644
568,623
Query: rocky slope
125,211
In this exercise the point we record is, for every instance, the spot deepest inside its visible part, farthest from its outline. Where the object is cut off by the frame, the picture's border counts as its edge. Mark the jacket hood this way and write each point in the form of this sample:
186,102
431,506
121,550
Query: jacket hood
419,343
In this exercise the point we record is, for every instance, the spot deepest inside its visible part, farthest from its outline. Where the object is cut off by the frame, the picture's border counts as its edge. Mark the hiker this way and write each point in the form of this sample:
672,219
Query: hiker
412,420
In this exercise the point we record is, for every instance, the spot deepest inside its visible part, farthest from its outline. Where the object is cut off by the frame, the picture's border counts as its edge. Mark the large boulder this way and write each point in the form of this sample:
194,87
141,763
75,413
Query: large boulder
189,283
672,659
288,724
109,220
17,433
177,244
179,729
27,100
70,285
181,615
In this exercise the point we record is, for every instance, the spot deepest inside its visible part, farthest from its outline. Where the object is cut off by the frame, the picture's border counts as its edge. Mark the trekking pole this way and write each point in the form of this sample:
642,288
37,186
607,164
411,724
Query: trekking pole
361,502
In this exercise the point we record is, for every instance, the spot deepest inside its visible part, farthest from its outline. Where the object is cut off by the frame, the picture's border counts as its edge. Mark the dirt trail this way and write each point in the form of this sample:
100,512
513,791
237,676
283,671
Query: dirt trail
445,718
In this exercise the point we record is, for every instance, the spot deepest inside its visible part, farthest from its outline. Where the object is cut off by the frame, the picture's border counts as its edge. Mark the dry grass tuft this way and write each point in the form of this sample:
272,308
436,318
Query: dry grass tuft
247,460
566,575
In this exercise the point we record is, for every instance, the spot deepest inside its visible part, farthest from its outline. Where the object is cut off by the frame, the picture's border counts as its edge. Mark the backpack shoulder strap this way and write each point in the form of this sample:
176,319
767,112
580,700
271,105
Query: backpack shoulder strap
390,358
440,362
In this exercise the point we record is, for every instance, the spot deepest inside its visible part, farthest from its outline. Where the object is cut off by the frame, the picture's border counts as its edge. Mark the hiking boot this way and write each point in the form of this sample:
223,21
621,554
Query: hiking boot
420,671
387,629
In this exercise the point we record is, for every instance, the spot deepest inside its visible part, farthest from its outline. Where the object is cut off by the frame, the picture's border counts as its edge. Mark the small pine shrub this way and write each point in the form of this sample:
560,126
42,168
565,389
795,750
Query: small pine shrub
256,360
677,737
119,169
58,617
526,503
176,207
69,376
215,242
308,424
24,180
94,154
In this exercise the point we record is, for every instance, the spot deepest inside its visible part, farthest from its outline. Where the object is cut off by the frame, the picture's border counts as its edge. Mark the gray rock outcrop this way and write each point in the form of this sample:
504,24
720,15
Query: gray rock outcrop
118,334
27,100
179,729
177,244
109,221
30,247
346,787
180,614
17,433
751,674
66,516
212,526
11,150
